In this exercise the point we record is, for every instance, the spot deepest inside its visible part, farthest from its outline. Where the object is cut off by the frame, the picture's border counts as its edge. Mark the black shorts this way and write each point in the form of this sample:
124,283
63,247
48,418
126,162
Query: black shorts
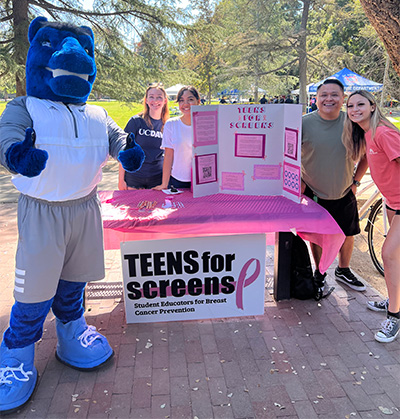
178,183
344,211
133,181
396,212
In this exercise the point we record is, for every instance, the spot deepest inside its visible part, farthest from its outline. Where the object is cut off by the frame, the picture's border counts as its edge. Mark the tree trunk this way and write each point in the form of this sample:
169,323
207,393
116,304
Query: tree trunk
384,16
21,46
303,55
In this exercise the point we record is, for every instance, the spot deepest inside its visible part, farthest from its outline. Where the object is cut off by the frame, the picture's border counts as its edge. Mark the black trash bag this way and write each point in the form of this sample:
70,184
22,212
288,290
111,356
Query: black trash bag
302,284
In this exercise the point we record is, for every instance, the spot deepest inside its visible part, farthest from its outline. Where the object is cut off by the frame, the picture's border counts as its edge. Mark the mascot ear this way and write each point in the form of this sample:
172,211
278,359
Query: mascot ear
35,25
89,31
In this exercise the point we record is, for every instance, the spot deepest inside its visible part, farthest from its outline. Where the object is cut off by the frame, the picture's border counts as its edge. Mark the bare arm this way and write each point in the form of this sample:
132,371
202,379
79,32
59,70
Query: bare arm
167,167
360,171
122,186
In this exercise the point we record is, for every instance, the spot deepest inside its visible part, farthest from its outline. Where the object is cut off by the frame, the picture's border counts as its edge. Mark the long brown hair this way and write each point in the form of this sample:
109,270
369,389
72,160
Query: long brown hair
353,136
165,110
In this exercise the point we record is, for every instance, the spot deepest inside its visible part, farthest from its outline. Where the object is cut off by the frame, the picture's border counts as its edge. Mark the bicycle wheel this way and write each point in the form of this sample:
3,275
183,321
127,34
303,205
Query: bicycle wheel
376,235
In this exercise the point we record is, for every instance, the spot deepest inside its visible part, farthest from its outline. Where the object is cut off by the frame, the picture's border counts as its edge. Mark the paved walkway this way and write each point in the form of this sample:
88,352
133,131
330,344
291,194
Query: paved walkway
301,359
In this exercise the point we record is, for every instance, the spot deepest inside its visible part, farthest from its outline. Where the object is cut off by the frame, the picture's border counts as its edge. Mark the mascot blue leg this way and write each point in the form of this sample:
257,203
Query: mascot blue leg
79,346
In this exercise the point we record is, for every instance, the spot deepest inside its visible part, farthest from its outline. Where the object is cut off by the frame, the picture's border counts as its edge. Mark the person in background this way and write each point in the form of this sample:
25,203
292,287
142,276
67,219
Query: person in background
329,178
289,99
177,143
147,128
368,133
263,100
313,104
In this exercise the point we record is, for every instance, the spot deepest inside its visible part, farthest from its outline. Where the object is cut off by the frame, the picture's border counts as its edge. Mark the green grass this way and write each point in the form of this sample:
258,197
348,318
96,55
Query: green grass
120,112
397,122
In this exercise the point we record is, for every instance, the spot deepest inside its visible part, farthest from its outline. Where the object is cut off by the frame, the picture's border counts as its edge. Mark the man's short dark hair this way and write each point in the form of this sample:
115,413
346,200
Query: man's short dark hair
332,81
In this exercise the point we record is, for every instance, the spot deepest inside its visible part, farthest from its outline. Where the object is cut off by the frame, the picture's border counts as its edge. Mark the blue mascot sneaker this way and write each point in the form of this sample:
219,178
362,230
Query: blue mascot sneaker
18,377
80,346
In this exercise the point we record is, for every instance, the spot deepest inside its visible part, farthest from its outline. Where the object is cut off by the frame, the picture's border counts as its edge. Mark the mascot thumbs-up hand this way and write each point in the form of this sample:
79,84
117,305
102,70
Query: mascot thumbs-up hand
24,158
133,156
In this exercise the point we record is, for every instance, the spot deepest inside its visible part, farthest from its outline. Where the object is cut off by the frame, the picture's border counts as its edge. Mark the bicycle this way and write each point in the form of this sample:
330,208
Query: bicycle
377,224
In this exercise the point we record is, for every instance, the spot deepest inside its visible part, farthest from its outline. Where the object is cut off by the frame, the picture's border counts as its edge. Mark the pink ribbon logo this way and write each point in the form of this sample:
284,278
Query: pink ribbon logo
244,282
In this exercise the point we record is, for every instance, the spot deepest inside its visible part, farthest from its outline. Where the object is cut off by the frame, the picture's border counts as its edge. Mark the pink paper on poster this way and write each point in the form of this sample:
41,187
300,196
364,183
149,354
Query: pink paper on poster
267,171
249,145
232,181
291,178
291,141
206,168
205,128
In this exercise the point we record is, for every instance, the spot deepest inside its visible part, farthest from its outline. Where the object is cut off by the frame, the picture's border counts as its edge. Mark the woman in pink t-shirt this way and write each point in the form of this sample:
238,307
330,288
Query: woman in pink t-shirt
367,132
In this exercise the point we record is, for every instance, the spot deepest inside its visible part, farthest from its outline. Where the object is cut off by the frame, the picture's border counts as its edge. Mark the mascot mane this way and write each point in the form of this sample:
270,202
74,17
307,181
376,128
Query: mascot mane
60,65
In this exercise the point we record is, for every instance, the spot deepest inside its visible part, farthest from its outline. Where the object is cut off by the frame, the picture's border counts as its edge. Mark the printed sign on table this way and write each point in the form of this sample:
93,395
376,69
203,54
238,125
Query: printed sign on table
194,278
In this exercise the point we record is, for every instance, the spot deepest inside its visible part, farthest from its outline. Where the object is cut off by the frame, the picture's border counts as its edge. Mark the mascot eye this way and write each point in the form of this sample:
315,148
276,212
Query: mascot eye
46,44
87,51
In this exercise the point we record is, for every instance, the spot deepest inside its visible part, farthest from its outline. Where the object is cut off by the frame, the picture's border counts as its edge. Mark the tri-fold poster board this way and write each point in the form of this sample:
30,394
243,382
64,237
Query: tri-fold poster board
247,150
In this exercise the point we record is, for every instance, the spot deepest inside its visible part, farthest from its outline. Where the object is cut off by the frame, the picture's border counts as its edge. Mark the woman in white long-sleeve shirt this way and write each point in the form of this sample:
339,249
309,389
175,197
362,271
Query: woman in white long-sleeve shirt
177,142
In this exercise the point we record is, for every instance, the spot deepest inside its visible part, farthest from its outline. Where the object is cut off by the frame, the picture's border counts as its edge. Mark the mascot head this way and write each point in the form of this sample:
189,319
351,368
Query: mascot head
60,64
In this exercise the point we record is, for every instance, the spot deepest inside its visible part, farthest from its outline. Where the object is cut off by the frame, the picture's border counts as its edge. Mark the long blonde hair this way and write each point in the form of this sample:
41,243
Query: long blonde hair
146,112
353,136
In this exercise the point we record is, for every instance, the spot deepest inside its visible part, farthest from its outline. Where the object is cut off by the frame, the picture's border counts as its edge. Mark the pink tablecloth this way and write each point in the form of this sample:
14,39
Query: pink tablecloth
217,214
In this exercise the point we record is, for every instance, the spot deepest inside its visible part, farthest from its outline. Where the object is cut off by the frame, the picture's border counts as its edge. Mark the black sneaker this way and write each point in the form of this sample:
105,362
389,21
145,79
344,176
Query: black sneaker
347,277
378,305
319,284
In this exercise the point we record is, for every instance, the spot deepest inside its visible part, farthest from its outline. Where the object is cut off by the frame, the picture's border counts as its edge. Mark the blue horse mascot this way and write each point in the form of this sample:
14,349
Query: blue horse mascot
56,145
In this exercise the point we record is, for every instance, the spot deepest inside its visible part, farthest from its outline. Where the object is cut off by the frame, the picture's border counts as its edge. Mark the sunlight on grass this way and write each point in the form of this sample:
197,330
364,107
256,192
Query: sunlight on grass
120,112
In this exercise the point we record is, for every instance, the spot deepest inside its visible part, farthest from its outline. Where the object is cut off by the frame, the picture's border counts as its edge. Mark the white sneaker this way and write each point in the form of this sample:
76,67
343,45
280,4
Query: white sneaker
389,330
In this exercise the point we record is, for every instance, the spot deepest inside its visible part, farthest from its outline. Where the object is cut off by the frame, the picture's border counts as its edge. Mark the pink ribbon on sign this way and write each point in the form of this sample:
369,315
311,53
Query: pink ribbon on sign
245,282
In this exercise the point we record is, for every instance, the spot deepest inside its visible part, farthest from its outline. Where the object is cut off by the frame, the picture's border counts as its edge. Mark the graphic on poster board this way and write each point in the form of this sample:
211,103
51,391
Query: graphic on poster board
291,178
267,171
206,168
291,142
249,145
232,181
205,128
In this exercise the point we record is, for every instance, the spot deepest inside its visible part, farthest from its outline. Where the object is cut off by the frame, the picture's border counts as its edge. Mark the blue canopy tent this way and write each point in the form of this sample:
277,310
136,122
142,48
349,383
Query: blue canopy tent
351,82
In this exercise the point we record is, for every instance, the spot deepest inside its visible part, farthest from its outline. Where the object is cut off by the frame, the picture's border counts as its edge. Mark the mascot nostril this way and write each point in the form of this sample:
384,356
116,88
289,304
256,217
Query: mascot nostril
56,144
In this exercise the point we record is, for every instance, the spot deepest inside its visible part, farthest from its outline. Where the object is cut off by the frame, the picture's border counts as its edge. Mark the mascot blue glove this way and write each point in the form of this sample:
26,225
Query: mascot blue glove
56,144
133,156
24,158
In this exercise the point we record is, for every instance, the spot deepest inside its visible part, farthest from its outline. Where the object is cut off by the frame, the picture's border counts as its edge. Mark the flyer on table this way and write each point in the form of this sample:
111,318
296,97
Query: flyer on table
194,278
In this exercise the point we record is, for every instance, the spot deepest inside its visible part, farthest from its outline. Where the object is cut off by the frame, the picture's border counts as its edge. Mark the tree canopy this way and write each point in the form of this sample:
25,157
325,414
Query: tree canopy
276,45
116,25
